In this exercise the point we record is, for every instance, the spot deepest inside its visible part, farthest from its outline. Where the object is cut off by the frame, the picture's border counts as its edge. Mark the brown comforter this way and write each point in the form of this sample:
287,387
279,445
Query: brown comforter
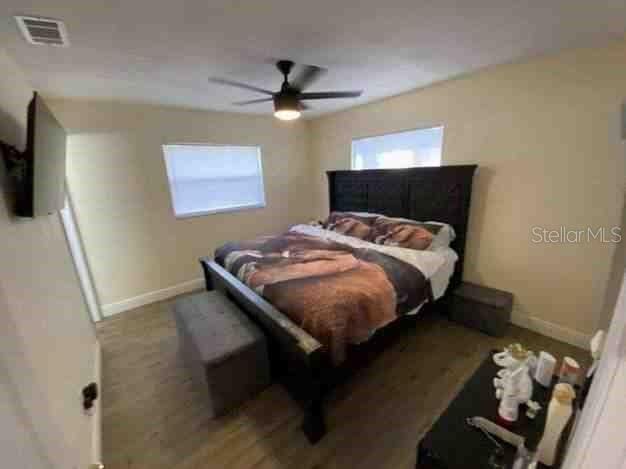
337,293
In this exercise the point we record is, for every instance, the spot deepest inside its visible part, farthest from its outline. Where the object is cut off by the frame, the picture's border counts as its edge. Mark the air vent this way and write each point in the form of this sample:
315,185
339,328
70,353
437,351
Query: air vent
43,31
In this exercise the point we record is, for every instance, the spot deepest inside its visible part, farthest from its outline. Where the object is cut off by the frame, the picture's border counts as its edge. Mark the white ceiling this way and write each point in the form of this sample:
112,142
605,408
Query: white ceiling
162,51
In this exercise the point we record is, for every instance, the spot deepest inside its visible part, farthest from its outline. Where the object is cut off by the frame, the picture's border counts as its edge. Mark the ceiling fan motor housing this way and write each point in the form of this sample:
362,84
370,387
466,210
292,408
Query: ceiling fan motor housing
286,101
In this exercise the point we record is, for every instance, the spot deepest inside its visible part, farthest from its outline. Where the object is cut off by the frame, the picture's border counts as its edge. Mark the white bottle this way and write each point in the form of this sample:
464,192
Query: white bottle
559,413
545,369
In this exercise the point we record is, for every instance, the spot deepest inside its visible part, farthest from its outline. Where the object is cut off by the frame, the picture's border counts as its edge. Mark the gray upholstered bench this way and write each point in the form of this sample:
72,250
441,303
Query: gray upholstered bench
225,351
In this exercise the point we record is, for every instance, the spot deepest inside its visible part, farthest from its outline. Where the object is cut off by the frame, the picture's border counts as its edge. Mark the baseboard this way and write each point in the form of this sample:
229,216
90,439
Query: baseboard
152,297
96,418
549,329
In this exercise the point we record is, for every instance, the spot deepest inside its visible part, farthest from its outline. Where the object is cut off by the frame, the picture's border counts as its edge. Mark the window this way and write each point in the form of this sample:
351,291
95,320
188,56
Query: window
214,178
421,147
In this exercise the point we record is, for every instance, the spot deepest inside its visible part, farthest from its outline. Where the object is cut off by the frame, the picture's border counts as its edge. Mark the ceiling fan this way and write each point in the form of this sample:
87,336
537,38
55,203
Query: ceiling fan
288,100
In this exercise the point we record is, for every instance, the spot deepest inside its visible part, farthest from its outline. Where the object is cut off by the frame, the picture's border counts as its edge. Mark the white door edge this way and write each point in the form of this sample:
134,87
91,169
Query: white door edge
593,444
80,260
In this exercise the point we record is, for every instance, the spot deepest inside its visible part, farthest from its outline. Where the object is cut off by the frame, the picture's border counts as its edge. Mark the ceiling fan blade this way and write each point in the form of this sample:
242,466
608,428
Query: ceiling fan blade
307,77
331,95
253,101
236,84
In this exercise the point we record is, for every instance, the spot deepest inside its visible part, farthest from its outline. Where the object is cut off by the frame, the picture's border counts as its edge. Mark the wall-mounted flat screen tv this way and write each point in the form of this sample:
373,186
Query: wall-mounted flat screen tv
42,187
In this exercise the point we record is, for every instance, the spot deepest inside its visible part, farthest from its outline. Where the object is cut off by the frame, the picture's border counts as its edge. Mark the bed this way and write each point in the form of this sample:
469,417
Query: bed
312,359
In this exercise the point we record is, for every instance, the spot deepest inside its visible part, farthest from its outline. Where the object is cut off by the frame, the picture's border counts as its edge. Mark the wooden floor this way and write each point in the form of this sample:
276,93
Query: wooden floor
155,418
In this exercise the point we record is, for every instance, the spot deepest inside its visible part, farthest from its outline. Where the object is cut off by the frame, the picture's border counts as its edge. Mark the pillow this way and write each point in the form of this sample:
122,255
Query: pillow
350,224
364,217
443,237
411,234
391,231
352,227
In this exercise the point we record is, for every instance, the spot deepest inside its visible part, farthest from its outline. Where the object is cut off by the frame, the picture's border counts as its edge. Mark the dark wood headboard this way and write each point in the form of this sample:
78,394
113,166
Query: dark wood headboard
440,193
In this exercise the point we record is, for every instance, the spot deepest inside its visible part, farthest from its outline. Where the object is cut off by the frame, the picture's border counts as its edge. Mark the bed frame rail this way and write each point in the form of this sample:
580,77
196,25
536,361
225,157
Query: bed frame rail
266,315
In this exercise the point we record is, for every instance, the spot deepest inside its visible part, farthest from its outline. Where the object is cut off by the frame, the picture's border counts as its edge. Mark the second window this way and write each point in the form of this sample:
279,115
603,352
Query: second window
420,147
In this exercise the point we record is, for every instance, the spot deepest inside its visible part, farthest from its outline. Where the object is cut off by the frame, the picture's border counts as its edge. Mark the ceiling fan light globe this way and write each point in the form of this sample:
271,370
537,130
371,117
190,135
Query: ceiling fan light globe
287,114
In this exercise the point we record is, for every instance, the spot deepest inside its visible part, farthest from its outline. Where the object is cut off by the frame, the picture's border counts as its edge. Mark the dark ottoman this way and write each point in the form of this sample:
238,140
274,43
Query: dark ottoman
225,351
482,308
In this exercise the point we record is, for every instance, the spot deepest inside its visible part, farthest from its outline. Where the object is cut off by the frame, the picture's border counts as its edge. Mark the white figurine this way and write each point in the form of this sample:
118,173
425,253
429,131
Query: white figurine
514,385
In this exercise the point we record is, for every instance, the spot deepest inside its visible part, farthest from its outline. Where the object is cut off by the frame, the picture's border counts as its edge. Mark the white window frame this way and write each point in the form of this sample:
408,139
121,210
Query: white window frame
439,126
233,208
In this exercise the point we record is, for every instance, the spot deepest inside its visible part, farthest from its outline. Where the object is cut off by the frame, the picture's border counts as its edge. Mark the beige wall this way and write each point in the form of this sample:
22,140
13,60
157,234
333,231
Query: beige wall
47,341
544,132
118,183
546,136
